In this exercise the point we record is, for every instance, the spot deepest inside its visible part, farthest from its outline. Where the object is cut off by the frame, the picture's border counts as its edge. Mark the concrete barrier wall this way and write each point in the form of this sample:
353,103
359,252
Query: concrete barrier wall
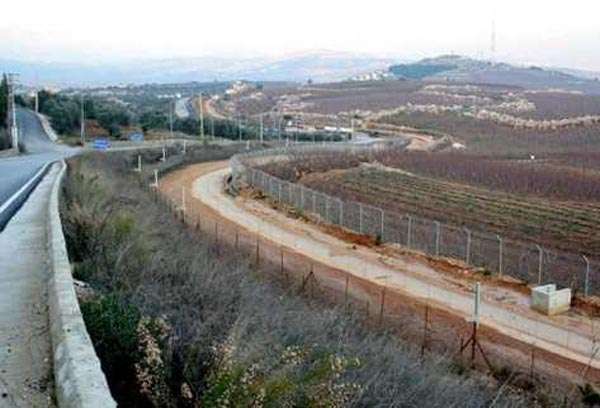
47,127
78,376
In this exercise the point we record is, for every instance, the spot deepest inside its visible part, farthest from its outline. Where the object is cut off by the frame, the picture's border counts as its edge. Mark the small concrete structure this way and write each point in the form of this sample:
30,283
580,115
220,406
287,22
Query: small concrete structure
546,299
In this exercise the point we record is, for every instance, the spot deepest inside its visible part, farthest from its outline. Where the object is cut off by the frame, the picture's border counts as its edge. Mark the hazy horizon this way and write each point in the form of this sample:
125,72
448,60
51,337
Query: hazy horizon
548,34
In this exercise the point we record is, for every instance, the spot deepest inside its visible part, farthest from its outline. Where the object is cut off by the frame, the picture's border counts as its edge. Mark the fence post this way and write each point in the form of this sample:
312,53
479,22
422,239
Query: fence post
437,238
156,178
217,237
296,199
382,224
279,192
468,249
314,203
257,251
326,208
341,212
302,198
382,306
540,263
586,282
139,164
360,218
346,292
500,254
408,234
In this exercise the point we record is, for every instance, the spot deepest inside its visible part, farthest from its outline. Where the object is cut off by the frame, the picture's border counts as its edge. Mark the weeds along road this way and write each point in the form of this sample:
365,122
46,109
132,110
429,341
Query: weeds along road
564,346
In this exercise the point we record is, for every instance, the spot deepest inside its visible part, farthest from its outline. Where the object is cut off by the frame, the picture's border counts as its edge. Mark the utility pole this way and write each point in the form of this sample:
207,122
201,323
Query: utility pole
171,105
82,121
279,126
201,118
12,111
37,101
262,128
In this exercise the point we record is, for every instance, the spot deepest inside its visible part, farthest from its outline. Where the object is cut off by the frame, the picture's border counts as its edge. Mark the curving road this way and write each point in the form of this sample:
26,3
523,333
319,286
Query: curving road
568,342
16,171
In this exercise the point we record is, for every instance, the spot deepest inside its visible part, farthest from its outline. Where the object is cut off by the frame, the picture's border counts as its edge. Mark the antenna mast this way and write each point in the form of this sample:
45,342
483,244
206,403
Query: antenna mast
493,43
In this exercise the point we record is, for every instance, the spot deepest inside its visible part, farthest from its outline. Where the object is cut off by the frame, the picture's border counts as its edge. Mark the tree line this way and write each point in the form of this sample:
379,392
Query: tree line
64,113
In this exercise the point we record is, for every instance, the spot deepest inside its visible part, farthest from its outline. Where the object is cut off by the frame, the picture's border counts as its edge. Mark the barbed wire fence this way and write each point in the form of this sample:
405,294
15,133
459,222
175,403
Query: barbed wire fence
494,254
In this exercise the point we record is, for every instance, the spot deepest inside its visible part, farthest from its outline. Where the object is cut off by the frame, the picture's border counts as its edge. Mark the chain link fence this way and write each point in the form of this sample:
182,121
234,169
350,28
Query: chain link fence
524,261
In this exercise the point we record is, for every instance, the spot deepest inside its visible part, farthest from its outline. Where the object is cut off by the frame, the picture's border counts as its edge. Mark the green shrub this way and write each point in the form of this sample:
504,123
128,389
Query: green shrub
112,324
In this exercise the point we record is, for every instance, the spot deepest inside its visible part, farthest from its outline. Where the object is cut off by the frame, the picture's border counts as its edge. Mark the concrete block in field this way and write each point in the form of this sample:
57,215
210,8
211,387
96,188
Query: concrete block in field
546,299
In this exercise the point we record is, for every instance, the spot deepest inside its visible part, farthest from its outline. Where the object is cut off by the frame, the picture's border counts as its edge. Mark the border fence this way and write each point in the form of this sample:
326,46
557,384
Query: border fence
420,321
527,262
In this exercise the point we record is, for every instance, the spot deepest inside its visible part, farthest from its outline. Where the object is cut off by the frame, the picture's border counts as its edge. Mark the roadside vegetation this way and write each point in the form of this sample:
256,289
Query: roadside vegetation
65,113
116,118
178,322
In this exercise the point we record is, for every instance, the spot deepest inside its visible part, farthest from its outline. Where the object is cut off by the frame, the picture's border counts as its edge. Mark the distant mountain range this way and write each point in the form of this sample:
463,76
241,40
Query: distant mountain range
462,69
319,66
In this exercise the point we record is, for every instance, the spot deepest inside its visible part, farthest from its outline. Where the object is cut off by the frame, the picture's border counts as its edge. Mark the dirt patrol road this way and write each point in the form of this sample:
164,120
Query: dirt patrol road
393,286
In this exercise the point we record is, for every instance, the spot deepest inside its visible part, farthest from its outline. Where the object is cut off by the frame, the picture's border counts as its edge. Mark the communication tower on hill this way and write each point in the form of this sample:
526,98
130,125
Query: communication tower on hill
493,42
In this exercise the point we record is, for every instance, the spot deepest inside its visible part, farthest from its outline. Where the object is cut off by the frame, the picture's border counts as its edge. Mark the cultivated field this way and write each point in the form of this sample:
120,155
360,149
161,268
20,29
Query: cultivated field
485,118
486,137
548,204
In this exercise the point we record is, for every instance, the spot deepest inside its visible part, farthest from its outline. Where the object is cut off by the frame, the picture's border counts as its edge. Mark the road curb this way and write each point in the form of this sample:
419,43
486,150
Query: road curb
79,380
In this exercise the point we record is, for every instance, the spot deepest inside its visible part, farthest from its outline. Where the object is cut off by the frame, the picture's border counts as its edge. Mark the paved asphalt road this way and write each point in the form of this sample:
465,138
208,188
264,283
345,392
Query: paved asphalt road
39,150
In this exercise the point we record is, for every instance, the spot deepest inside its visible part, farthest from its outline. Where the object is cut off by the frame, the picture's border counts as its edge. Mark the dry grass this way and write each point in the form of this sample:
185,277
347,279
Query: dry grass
221,333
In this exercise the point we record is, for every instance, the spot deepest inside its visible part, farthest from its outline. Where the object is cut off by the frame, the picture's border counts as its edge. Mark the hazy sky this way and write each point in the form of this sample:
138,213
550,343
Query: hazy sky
565,33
